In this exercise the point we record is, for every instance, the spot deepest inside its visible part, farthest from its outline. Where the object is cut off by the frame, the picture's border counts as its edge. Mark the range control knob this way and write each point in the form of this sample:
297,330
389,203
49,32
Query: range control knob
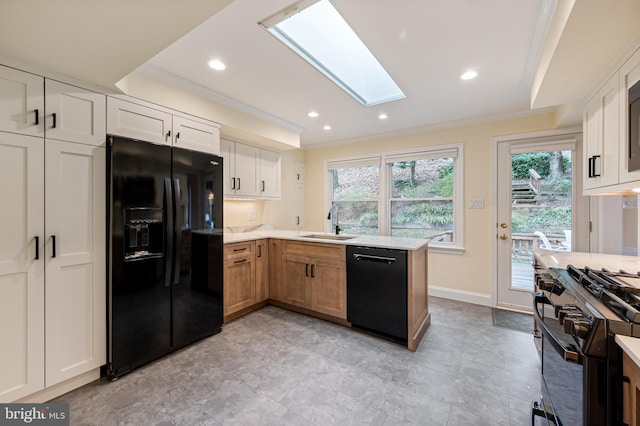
564,316
577,327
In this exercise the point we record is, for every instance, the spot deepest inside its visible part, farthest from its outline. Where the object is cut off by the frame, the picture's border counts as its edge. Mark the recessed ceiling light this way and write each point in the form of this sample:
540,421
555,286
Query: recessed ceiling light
383,116
327,127
469,75
313,114
217,65
637,190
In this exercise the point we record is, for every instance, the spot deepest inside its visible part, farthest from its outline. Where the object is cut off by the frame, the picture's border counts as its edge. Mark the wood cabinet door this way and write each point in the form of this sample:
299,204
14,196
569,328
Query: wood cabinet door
196,135
329,287
295,287
21,265
239,285
21,102
75,259
138,122
262,270
276,291
74,114
269,174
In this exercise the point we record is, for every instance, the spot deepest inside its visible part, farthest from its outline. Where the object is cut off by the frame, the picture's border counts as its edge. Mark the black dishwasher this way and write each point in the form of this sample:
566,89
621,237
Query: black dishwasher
377,291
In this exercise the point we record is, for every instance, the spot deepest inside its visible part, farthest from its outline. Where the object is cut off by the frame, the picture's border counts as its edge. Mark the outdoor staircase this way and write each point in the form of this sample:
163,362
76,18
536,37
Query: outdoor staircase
522,193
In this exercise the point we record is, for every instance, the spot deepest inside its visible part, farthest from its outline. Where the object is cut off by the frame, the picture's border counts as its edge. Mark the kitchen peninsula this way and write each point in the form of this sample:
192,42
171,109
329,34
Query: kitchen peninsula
307,272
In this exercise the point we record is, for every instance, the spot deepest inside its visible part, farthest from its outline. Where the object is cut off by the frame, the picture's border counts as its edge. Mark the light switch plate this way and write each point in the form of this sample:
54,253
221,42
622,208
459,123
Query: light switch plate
475,203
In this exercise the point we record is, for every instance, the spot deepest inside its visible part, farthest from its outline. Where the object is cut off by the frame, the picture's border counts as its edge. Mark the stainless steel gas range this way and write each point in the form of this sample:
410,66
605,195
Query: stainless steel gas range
578,312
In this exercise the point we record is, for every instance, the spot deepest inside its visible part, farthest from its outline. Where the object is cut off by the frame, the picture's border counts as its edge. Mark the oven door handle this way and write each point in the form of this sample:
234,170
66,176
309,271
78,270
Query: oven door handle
565,351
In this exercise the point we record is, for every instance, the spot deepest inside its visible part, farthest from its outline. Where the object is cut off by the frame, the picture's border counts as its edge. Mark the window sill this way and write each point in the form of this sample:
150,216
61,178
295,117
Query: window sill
446,250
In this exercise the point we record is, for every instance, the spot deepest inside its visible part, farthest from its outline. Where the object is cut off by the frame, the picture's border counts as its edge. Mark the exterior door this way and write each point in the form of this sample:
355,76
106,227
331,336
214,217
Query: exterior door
538,206
21,266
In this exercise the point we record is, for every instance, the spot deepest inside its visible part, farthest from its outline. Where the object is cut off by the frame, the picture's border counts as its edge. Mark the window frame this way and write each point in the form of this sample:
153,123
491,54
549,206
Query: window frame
385,161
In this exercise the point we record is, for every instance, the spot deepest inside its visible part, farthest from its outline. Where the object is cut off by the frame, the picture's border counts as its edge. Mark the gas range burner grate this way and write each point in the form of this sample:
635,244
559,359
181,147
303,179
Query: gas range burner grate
612,289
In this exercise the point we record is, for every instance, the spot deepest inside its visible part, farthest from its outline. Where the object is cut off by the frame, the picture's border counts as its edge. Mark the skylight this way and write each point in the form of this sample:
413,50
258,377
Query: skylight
321,36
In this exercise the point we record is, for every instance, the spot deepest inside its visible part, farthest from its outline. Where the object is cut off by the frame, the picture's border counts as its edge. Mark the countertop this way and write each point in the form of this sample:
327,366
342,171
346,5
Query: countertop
560,259
368,240
631,345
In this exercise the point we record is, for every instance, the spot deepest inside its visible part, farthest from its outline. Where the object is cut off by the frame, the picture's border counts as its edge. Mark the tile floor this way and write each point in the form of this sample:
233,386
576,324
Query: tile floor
275,367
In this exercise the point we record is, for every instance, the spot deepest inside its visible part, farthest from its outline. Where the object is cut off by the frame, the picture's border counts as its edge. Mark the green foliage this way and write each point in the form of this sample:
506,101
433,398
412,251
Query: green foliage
529,220
538,161
557,187
443,187
425,213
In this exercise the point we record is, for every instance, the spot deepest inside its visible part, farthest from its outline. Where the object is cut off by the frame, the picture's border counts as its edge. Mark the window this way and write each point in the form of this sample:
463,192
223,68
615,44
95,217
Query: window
355,193
407,194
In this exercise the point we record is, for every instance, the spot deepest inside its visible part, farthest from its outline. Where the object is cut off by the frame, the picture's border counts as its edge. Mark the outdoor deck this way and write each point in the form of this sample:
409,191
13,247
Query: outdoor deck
522,275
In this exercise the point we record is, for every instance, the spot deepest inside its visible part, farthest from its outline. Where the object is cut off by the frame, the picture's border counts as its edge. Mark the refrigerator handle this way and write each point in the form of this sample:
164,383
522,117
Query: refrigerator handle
168,192
177,227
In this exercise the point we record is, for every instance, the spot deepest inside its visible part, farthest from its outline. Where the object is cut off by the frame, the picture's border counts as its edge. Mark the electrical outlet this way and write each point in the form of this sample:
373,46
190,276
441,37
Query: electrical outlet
253,216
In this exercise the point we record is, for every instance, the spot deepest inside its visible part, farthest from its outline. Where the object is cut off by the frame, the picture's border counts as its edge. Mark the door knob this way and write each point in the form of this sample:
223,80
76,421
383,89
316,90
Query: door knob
503,225
503,236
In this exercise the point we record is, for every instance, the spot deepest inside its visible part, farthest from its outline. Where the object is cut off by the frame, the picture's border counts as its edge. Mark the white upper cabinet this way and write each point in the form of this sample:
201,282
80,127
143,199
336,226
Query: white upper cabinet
250,171
73,114
269,185
136,121
245,180
141,120
601,127
196,135
629,75
21,102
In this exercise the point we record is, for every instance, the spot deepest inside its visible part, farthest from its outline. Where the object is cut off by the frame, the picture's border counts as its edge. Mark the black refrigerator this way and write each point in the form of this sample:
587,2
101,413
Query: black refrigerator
165,274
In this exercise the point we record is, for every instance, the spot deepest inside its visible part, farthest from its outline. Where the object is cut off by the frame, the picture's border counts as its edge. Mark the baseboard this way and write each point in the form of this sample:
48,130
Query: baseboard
56,390
461,295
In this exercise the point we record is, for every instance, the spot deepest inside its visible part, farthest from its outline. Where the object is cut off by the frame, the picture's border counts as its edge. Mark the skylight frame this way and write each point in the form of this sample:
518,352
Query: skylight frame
361,89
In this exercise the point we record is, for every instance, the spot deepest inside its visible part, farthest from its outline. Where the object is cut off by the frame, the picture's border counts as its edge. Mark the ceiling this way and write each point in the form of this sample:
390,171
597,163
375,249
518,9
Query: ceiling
531,56
424,45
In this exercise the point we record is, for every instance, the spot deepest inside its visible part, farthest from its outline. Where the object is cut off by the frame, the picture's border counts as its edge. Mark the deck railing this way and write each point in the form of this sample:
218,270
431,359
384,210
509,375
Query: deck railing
522,245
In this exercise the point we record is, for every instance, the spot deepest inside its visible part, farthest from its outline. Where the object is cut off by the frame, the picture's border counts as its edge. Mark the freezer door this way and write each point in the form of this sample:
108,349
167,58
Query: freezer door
198,264
139,298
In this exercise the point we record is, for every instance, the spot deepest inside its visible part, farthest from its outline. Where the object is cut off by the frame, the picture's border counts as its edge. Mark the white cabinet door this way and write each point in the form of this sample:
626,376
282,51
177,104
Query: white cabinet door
246,177
299,219
269,174
195,135
74,114
75,260
628,76
21,265
138,122
601,135
300,172
21,102
228,154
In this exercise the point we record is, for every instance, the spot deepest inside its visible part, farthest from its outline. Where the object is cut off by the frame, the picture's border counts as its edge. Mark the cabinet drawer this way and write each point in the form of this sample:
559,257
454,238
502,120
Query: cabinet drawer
317,250
238,250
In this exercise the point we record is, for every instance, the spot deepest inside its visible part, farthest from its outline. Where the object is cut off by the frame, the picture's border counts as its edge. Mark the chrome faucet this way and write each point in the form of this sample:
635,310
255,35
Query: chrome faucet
334,208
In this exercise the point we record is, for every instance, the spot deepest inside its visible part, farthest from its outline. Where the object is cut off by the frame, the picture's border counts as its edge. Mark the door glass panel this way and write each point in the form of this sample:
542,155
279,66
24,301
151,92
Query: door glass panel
541,209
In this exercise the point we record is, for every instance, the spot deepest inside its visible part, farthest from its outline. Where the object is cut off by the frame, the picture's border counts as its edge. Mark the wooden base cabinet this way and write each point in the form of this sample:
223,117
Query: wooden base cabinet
631,391
317,282
239,277
262,270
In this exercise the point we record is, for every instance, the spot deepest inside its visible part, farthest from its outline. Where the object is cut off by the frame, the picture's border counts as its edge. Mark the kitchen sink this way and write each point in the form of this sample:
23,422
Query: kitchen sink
328,237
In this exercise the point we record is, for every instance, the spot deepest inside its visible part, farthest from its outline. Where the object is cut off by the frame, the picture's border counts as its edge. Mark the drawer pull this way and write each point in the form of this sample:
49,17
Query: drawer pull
239,249
240,261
